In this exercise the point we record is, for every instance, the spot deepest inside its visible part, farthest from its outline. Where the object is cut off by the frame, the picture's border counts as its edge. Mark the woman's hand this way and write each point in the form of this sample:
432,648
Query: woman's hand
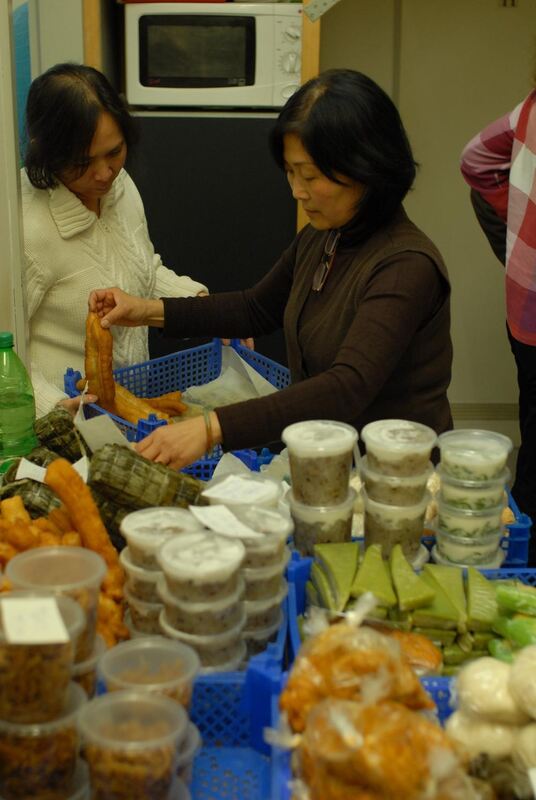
179,444
72,404
249,343
116,307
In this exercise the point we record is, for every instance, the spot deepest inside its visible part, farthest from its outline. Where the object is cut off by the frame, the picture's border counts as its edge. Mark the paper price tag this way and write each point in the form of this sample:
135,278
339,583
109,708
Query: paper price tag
28,470
33,620
221,520
237,487
315,8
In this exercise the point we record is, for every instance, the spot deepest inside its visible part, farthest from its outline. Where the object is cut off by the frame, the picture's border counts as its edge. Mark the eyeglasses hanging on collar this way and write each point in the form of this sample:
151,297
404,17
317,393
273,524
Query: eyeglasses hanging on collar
322,271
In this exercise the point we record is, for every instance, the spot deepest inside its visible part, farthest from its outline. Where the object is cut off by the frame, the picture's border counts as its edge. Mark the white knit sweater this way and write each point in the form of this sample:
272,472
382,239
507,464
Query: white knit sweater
68,252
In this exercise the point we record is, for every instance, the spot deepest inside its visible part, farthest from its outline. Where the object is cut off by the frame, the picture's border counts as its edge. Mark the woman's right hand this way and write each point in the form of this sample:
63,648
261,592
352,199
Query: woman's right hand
116,307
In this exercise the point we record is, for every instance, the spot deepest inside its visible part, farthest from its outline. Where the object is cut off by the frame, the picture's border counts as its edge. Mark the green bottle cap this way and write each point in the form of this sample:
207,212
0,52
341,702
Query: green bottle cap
6,339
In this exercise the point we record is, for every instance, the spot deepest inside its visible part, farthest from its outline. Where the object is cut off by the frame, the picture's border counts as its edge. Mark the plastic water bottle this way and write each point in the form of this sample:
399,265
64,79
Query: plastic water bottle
17,405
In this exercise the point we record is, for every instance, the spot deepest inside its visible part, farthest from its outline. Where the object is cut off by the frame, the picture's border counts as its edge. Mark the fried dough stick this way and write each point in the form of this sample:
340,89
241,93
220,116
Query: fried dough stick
133,408
12,510
98,362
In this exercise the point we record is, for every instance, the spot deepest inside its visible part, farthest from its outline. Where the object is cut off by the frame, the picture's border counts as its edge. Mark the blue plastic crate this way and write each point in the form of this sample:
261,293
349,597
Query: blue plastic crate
299,570
177,372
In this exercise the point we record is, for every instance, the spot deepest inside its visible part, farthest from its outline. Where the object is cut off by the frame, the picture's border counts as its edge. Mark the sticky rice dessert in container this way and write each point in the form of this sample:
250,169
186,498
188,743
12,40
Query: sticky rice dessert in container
321,524
474,455
398,447
145,530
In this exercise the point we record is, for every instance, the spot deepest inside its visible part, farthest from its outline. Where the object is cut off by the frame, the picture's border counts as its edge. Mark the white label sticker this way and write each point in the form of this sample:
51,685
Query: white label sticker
99,431
221,520
28,470
238,487
315,8
33,620
82,467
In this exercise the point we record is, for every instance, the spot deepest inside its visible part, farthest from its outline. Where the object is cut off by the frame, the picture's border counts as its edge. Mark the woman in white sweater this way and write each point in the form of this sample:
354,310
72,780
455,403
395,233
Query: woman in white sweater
84,224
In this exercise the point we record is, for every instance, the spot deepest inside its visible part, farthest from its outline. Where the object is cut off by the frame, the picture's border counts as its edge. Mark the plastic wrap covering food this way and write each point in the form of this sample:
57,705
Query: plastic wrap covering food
353,663
129,479
383,751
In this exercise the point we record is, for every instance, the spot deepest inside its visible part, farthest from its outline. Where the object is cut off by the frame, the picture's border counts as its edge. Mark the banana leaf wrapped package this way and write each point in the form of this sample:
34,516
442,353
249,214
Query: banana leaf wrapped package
56,432
112,514
130,480
41,456
38,499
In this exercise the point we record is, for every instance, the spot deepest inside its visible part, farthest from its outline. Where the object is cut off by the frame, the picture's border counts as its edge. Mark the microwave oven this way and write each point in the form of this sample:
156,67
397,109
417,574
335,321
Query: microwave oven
215,55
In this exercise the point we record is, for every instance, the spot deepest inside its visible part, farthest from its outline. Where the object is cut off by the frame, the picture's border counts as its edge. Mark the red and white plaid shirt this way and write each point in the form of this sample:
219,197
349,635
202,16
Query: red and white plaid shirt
500,164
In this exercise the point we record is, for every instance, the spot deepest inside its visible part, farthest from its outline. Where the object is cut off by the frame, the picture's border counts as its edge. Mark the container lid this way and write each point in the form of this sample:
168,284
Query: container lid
142,606
471,442
58,569
75,699
210,640
212,606
71,612
495,563
148,575
201,556
190,746
253,574
396,480
468,513
134,632
464,483
155,721
470,541
322,437
151,663
335,509
258,606
387,508
6,339
399,436
250,489
263,634
149,527
231,664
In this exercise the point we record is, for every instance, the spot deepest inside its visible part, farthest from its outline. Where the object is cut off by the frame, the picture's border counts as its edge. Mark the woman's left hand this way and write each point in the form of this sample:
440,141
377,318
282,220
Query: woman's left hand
179,444
72,404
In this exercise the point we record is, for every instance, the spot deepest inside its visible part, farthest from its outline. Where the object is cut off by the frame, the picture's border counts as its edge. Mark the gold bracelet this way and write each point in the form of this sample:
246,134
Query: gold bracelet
210,435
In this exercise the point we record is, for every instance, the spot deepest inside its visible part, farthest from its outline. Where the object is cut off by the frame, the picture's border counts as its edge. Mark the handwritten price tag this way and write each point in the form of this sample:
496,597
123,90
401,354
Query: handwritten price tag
33,620
221,520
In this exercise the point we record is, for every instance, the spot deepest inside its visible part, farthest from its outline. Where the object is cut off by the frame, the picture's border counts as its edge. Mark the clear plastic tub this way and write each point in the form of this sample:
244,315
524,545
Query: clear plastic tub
465,522
472,495
153,664
134,632
144,616
239,491
41,757
212,650
35,677
272,528
235,662
73,571
85,673
78,788
398,447
201,566
320,454
202,619
263,582
141,582
316,524
131,740
494,563
147,529
474,455
468,550
257,640
389,525
190,747
395,490
262,614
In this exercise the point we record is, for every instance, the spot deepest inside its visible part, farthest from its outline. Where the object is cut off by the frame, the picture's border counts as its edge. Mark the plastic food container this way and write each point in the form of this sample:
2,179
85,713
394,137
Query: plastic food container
190,748
320,454
216,616
201,566
398,447
472,495
262,614
145,530
474,455
494,563
152,664
134,632
212,650
389,525
78,788
237,491
468,550
73,571
85,673
271,528
233,664
395,490
263,583
141,582
316,524
130,741
34,678
144,616
258,640
464,522
41,757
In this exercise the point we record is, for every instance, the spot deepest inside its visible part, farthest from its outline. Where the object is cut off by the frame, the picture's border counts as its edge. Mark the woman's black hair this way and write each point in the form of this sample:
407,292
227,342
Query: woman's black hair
351,128
62,112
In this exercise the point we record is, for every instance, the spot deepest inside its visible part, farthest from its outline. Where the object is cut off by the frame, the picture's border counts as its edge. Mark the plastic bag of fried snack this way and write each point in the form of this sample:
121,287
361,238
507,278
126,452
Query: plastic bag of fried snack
359,751
350,662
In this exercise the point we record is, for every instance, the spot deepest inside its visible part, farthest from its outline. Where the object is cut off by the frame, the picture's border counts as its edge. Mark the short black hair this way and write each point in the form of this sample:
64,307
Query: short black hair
351,127
62,111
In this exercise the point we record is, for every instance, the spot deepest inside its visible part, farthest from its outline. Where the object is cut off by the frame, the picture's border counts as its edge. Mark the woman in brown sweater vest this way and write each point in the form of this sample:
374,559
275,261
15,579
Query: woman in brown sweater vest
362,294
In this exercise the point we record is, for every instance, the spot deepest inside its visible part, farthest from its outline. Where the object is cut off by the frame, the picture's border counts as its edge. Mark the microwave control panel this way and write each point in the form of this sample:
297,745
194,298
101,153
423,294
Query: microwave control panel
288,48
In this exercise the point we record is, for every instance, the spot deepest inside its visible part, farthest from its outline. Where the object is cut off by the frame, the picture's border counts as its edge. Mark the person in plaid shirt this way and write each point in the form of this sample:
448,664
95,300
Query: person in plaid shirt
499,164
